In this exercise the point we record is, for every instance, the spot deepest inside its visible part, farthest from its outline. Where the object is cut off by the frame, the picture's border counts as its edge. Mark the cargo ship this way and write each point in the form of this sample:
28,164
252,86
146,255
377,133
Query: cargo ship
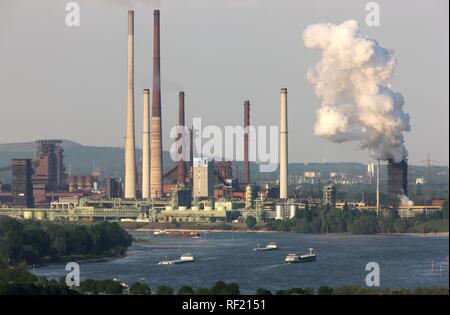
270,246
176,233
186,258
310,256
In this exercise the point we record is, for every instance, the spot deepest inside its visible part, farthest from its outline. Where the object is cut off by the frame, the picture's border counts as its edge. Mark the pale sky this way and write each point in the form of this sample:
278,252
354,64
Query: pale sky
71,83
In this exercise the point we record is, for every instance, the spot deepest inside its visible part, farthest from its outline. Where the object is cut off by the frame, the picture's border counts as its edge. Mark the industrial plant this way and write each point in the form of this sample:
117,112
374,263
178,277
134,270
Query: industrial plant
194,189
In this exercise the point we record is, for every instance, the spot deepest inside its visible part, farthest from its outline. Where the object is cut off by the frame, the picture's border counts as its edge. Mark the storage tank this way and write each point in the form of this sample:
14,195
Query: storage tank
72,183
292,211
279,212
81,180
39,215
89,183
28,214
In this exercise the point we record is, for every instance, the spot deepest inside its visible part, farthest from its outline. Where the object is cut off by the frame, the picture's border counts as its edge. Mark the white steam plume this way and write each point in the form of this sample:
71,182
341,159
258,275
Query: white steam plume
405,201
353,81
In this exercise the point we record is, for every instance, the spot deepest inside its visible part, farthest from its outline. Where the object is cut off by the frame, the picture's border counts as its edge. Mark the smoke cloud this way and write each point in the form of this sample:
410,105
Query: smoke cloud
353,81
405,201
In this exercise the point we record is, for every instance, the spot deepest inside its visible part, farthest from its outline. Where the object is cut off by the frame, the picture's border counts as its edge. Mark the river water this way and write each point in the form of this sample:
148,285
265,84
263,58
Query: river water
405,261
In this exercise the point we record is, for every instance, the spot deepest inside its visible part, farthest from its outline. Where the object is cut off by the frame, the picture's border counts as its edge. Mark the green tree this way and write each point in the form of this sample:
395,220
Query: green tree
203,291
164,290
218,288
262,291
324,290
251,222
138,288
185,290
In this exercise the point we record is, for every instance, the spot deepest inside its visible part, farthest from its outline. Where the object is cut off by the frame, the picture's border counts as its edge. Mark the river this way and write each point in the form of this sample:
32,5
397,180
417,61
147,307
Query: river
405,261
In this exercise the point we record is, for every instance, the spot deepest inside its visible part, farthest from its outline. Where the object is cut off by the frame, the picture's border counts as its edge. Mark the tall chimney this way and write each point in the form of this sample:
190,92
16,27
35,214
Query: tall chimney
146,147
181,164
283,146
378,186
246,131
156,151
130,159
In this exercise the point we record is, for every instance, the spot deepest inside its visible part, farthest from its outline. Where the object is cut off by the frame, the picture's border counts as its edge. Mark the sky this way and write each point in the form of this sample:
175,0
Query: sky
71,82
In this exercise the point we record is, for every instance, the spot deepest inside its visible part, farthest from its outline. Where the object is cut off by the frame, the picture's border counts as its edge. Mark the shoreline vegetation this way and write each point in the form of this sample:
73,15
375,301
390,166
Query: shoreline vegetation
271,231
28,243
317,219
18,281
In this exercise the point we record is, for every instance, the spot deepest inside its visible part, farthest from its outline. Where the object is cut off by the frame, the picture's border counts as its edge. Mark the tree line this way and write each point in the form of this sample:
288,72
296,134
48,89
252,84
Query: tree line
325,219
18,281
33,242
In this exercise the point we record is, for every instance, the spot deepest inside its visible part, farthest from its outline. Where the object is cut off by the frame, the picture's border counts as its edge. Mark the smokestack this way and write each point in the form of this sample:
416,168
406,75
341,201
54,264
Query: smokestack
283,145
156,152
378,186
246,127
146,147
130,159
181,164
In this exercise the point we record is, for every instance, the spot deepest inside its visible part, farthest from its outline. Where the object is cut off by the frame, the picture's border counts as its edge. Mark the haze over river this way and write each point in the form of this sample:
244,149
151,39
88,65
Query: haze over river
405,261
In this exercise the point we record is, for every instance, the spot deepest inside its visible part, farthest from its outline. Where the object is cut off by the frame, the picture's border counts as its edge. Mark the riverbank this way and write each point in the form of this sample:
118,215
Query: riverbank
221,227
270,231
215,227
78,259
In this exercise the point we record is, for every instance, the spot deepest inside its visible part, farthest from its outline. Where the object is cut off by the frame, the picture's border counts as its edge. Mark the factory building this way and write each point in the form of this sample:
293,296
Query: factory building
329,195
181,196
203,179
397,173
112,188
49,175
21,185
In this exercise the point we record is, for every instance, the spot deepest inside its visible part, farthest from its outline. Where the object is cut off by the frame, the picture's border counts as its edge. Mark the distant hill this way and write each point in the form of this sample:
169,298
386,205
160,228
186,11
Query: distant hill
78,159
81,159
27,147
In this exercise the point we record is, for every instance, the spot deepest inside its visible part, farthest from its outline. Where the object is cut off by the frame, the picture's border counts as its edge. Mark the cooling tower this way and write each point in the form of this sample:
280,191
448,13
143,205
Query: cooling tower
156,187
130,159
